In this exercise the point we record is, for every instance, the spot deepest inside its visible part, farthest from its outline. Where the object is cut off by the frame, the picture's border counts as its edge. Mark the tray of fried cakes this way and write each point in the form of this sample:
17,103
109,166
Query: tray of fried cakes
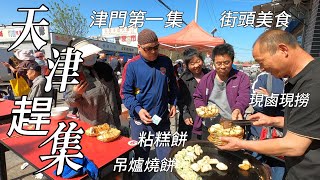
200,159
218,130
103,132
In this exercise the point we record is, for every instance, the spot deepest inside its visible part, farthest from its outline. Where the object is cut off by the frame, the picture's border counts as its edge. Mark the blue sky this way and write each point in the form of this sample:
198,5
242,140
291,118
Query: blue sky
208,18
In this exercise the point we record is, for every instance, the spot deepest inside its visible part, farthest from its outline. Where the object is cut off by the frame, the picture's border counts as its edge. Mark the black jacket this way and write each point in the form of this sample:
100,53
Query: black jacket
187,85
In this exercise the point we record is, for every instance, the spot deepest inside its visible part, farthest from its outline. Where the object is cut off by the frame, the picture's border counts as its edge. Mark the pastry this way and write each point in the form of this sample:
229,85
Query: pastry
221,166
246,165
207,111
109,135
97,130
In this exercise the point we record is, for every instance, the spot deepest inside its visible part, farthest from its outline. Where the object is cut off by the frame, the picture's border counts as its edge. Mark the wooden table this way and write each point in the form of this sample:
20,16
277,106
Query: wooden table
101,154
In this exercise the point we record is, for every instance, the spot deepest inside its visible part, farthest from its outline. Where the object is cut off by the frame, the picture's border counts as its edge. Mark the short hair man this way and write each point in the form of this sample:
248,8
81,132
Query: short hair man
38,81
279,53
102,57
148,86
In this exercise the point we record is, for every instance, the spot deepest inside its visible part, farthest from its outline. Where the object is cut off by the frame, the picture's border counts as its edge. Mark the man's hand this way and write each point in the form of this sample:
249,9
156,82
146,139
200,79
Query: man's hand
236,115
5,64
262,120
145,116
188,121
80,88
233,144
173,110
262,90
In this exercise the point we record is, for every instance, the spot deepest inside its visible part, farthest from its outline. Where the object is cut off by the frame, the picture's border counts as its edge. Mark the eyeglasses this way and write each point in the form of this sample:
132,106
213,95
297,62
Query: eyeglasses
226,63
148,49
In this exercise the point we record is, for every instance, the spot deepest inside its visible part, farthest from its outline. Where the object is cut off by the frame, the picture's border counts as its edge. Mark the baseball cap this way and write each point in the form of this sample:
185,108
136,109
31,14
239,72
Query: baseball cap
33,66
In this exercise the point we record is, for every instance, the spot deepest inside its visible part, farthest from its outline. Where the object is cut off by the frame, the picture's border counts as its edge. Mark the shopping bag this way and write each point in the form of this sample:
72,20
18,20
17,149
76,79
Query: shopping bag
19,86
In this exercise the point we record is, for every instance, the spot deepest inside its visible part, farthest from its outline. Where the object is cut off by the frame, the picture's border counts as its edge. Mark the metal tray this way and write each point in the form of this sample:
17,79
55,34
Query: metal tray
231,159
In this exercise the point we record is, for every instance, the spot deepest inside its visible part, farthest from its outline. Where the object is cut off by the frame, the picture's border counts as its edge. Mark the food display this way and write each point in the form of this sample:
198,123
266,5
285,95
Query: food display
188,168
200,159
216,131
184,158
204,164
207,111
246,165
104,132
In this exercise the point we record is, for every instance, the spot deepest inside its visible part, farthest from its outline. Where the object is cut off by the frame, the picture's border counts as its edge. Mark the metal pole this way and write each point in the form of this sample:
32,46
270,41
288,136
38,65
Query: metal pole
196,13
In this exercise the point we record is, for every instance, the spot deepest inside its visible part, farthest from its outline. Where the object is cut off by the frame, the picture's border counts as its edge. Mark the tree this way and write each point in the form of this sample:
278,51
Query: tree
66,19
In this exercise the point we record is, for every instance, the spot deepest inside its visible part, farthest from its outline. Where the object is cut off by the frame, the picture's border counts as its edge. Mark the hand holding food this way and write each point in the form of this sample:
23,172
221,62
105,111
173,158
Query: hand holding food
216,131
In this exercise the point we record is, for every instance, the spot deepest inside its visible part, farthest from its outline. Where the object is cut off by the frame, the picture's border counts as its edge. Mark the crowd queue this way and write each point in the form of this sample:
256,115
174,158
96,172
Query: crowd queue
153,88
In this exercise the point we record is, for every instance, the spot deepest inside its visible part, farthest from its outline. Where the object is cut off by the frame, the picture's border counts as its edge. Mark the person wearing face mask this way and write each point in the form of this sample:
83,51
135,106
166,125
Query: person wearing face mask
227,88
97,95
187,85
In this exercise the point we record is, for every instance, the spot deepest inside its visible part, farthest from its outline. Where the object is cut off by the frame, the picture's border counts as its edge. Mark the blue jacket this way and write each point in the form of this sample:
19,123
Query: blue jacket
148,85
277,88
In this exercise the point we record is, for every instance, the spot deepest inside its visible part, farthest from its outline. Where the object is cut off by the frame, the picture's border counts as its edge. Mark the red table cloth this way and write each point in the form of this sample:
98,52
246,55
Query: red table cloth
27,147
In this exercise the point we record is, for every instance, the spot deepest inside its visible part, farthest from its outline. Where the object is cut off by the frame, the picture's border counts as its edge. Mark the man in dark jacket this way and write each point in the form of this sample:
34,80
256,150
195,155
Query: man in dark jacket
115,64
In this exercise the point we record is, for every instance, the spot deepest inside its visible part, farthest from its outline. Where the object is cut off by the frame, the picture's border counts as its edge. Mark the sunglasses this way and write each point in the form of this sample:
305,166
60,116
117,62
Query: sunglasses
147,49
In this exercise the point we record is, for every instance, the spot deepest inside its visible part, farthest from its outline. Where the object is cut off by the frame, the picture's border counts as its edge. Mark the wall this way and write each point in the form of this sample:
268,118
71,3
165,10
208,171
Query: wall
312,33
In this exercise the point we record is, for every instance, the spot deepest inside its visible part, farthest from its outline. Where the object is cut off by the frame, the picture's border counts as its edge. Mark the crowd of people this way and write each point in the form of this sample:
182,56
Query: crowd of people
153,89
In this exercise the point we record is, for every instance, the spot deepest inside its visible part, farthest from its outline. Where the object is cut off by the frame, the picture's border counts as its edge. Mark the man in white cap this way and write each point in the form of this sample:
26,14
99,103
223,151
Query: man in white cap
97,95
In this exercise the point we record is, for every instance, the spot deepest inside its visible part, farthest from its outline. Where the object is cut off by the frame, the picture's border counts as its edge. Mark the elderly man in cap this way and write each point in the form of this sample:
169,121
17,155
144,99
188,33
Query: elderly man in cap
279,53
97,95
38,82
148,86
